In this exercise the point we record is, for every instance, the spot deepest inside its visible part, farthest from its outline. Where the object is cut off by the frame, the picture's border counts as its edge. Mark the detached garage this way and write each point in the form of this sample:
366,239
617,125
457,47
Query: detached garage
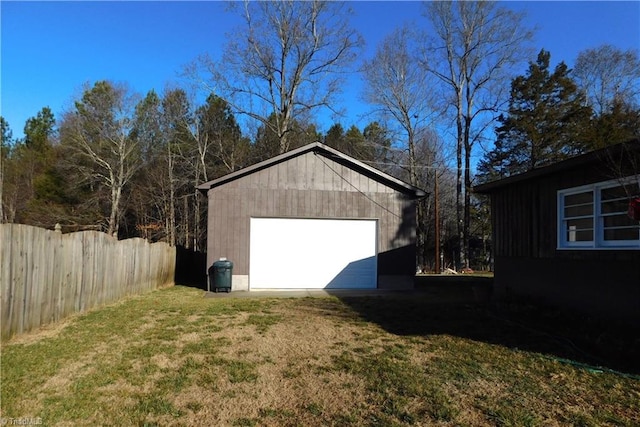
313,218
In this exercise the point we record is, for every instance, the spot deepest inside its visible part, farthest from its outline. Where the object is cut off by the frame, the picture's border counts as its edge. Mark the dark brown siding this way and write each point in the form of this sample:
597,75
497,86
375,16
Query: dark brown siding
306,186
595,282
528,263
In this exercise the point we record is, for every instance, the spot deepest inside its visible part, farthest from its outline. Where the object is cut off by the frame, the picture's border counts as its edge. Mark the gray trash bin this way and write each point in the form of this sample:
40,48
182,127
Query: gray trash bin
221,277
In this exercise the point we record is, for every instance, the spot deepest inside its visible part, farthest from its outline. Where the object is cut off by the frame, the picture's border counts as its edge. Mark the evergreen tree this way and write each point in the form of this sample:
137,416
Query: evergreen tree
545,122
6,136
48,180
377,137
146,201
97,134
351,142
621,123
356,145
39,129
335,137
220,137
146,127
37,188
266,144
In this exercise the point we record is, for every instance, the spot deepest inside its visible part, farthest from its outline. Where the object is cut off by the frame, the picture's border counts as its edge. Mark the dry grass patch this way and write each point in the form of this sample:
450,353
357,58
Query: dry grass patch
174,358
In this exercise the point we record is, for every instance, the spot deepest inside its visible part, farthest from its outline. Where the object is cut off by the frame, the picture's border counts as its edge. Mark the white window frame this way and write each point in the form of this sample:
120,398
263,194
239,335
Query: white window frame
598,241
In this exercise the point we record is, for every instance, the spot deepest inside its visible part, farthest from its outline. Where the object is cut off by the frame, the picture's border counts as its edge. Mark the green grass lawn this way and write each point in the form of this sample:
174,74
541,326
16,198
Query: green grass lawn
172,357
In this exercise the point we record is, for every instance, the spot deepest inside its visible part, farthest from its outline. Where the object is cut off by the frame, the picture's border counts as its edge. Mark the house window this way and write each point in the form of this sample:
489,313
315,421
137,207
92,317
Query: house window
595,216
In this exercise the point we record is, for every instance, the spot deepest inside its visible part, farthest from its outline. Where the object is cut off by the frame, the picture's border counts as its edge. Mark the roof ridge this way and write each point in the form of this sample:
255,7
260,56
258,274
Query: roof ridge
320,148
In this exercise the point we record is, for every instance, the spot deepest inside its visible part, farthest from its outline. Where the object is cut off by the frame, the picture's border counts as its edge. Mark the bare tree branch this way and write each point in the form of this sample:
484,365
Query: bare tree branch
288,64
474,45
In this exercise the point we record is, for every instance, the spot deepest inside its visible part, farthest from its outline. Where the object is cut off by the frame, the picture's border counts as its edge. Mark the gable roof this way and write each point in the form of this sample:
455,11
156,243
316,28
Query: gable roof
593,157
328,152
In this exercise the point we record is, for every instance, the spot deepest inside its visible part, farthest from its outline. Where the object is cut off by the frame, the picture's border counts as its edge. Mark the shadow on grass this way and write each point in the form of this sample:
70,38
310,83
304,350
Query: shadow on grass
459,309
191,268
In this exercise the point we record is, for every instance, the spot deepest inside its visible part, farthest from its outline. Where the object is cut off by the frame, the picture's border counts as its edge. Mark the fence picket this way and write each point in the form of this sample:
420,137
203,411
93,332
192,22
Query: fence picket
46,276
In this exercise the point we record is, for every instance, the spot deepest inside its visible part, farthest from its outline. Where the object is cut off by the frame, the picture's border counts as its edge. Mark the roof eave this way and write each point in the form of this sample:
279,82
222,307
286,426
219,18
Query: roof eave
573,162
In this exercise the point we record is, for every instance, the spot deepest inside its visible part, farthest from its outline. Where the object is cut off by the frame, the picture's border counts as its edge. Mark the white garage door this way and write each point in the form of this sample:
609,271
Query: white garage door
290,253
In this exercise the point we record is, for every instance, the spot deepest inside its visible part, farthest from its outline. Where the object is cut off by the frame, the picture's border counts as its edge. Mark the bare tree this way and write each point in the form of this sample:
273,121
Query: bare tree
400,91
473,48
431,151
403,97
288,62
98,130
607,74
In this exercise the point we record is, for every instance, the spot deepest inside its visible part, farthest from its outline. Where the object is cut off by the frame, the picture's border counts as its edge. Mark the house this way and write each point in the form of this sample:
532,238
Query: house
565,234
313,218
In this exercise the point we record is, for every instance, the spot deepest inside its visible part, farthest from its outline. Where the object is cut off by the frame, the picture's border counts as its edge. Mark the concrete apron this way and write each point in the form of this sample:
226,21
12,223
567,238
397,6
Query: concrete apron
310,293
439,293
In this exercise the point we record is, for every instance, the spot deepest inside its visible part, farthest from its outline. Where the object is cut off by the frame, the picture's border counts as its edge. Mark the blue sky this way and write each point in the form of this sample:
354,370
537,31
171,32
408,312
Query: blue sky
50,49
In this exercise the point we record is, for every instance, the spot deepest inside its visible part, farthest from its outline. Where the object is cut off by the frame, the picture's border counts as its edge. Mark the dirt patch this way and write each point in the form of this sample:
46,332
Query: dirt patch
51,330
164,362
294,374
190,337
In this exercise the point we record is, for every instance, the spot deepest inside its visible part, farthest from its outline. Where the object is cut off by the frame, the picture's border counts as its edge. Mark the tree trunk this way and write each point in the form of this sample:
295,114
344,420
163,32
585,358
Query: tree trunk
467,206
172,204
187,238
459,203
467,183
196,223
112,229
1,185
436,214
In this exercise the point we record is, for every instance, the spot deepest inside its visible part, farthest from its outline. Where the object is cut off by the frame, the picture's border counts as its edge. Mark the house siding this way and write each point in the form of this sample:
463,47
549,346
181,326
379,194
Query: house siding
310,186
528,263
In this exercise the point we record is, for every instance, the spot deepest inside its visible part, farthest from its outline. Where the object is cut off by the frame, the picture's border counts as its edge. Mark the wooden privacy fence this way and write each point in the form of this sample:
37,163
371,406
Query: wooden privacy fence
46,276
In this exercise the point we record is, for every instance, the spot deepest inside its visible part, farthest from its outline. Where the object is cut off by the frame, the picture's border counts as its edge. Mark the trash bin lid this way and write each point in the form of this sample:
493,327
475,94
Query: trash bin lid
223,263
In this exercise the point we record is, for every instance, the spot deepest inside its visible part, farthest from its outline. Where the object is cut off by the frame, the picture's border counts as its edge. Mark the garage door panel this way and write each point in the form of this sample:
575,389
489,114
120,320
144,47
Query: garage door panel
290,253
